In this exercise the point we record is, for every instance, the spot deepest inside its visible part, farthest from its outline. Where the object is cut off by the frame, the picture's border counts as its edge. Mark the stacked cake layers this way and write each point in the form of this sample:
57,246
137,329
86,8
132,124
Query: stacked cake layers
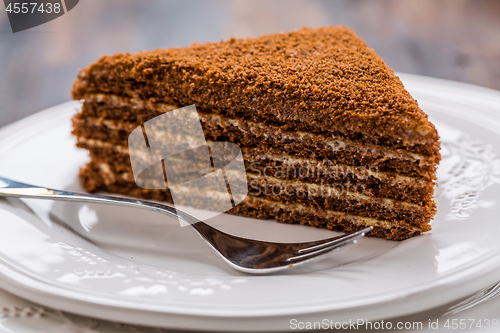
329,135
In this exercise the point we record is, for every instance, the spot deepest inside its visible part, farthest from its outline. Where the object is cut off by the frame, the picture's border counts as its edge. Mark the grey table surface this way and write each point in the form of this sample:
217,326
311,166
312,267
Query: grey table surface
451,39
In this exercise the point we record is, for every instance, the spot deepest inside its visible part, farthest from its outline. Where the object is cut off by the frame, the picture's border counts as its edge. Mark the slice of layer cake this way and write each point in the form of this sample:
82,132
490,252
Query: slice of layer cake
329,135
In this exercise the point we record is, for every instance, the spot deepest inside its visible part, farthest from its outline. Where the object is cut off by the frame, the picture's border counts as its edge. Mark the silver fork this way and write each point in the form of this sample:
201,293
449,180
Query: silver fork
242,254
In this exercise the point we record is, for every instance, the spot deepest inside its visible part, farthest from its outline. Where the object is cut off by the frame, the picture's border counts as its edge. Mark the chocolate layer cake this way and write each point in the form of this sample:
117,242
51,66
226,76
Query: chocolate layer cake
329,135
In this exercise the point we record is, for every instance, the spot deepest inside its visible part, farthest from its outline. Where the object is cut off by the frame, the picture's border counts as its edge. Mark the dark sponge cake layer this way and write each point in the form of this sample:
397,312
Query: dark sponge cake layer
336,223
112,108
397,214
124,111
297,191
93,179
419,191
386,188
307,149
327,78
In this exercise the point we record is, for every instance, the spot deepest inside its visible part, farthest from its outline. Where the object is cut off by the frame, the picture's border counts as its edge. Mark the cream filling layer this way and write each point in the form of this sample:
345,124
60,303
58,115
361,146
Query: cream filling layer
255,128
361,172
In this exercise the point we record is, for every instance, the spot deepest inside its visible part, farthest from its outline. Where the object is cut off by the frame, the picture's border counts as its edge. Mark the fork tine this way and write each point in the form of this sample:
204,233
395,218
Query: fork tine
315,251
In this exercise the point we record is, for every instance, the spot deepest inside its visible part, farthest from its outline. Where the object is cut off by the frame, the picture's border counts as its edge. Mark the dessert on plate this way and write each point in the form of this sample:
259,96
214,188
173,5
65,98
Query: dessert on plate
329,135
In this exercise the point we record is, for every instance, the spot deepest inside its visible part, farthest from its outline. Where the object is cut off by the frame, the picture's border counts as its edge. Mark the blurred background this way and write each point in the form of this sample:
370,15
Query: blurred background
450,39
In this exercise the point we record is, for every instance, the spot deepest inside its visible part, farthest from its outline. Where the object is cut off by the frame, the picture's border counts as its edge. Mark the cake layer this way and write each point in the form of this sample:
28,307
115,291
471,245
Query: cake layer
293,213
104,114
325,172
370,182
113,110
98,177
113,121
339,199
337,150
322,197
106,139
327,78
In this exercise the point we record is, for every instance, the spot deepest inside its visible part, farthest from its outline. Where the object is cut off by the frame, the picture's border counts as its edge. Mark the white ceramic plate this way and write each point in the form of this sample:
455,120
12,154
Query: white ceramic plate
140,267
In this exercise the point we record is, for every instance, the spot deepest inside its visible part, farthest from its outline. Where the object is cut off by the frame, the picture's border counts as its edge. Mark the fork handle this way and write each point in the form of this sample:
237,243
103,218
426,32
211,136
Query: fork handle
11,188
